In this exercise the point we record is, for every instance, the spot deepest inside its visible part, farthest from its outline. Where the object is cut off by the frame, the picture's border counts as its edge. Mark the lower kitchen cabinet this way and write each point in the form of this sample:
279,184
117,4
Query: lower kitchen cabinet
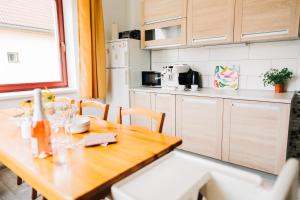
245,132
140,100
255,134
165,103
199,124
158,102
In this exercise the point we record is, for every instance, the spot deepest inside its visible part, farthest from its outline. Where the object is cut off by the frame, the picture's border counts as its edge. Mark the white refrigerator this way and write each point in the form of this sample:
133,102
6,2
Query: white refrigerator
125,63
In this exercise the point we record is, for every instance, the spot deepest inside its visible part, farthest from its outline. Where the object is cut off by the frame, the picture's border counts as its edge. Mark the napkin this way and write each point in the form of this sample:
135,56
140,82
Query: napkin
95,139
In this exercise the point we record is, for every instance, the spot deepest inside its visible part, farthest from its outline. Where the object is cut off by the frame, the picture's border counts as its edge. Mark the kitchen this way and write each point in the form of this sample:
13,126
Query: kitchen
206,65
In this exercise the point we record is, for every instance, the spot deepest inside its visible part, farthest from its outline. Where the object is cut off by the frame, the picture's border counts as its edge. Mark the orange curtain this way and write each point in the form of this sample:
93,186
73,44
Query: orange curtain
91,49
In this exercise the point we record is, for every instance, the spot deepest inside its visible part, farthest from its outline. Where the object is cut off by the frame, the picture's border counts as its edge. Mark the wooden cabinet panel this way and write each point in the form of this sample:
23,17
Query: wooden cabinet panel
162,10
255,134
210,21
199,124
140,100
165,103
266,20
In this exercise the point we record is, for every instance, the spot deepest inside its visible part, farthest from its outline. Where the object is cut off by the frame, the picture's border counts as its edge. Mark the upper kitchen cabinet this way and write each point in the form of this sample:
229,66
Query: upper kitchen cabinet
267,20
163,23
210,21
154,11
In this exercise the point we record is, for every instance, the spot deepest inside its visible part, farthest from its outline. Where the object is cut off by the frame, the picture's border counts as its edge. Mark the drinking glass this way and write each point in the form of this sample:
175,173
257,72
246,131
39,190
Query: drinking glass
59,149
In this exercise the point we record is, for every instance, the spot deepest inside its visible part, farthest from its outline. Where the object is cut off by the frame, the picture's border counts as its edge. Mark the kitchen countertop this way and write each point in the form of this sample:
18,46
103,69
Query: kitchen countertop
253,95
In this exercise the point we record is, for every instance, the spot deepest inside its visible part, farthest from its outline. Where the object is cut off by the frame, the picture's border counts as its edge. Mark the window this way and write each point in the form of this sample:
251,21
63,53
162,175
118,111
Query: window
32,45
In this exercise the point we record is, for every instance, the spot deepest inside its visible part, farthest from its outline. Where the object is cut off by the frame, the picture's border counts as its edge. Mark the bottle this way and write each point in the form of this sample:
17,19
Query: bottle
41,130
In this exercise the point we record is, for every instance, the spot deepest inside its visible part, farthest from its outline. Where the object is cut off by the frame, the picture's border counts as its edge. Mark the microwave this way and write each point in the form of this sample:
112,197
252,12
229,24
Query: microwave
151,78
164,34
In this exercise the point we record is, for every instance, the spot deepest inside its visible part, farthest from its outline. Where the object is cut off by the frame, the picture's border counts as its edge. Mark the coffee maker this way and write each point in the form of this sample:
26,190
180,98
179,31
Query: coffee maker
170,76
190,78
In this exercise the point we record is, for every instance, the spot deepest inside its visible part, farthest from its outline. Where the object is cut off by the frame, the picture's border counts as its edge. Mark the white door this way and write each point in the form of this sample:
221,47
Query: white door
117,54
117,91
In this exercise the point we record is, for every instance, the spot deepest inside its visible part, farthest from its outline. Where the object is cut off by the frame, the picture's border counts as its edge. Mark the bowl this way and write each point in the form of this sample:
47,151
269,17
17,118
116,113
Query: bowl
80,125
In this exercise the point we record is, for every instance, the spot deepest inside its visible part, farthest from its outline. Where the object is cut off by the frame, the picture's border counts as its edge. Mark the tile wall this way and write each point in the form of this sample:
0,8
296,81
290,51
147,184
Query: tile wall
253,59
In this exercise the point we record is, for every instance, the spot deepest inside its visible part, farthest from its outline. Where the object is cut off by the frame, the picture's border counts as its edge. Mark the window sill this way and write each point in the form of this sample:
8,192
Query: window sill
28,94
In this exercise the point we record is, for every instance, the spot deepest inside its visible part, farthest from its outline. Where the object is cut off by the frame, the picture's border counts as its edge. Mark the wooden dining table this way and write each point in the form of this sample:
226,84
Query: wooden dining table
89,172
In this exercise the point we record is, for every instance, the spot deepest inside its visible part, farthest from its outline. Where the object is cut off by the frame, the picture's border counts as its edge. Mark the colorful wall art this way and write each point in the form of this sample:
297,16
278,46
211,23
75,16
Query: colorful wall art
227,77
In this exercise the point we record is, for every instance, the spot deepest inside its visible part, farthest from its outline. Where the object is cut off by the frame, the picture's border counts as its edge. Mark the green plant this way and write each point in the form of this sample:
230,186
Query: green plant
277,76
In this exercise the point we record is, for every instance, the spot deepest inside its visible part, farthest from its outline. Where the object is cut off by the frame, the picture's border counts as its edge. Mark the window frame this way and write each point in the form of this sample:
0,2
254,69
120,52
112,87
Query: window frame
63,61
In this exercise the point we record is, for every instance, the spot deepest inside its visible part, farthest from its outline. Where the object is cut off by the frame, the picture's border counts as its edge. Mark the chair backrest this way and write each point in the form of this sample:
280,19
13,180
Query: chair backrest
65,99
286,185
94,104
158,117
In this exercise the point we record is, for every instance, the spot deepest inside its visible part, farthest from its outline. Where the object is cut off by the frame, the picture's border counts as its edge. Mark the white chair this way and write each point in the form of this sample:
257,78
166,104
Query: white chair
182,176
286,184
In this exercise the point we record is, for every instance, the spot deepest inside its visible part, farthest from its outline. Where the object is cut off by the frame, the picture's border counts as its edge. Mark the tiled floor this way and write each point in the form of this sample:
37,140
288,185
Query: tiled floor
9,190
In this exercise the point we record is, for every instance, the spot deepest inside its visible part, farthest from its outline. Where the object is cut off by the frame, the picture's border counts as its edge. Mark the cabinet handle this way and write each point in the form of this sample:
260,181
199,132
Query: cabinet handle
209,39
262,107
200,101
162,20
267,33
126,58
162,46
164,95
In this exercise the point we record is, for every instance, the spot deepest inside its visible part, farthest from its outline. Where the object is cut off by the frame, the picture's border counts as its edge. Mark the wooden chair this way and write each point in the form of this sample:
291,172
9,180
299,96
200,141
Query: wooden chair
94,104
65,99
158,117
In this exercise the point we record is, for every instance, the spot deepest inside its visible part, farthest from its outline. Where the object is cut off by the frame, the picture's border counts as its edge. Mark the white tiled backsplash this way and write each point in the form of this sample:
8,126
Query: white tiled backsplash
253,59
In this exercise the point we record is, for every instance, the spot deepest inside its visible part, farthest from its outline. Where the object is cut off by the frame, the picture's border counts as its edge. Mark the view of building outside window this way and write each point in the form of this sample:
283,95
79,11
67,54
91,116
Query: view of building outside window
29,43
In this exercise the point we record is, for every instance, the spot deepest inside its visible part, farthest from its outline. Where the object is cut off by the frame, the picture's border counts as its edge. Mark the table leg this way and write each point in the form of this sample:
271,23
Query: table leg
19,180
33,194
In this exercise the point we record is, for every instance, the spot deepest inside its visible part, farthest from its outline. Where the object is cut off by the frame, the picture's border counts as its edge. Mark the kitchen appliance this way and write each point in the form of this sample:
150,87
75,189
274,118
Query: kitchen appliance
190,78
170,76
151,78
160,34
133,34
125,63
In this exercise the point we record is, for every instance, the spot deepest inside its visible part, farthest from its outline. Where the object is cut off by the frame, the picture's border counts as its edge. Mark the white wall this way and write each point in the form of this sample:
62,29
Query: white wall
125,13
115,11
134,14
253,59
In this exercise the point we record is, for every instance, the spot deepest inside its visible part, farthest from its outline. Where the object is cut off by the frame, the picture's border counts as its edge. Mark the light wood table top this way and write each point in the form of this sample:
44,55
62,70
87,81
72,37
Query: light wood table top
90,172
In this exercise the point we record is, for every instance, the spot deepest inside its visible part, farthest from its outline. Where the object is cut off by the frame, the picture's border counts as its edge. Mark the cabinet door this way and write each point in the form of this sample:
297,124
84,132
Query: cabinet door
199,124
266,20
210,21
164,34
140,100
165,103
255,134
162,10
